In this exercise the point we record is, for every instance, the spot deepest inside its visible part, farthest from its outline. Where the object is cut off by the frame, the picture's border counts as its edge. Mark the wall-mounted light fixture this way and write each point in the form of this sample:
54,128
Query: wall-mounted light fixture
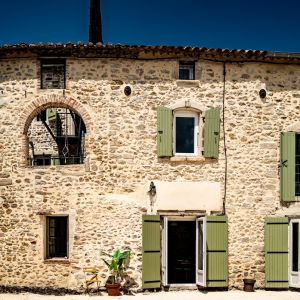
152,189
262,93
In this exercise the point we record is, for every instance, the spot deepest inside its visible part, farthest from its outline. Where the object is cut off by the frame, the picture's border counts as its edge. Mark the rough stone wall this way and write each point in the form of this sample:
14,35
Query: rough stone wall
100,196
42,140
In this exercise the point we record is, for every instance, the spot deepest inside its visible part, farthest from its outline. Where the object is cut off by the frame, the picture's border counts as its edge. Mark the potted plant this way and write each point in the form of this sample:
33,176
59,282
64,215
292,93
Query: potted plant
116,265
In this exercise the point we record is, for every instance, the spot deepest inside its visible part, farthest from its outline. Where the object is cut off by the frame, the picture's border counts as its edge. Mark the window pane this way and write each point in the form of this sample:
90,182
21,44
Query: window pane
295,246
57,237
186,71
297,179
200,246
184,74
185,134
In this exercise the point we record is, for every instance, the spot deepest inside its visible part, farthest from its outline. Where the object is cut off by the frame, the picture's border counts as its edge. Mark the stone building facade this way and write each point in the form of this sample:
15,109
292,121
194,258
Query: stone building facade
103,199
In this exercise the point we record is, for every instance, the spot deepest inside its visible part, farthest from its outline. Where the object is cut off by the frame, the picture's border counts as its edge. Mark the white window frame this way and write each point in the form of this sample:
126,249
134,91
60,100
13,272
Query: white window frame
197,125
187,66
294,277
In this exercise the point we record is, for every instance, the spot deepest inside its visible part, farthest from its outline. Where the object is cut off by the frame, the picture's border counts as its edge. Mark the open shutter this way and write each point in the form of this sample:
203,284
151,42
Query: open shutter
212,133
151,252
164,132
276,253
217,251
51,113
287,166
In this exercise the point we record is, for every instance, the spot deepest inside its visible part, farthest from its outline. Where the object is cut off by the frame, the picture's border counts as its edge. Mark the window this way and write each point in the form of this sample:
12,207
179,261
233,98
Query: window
297,165
181,132
57,139
186,133
53,74
186,70
57,237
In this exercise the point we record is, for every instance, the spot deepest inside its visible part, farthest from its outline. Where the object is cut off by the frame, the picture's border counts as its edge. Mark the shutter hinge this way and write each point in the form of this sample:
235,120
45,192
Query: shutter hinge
282,164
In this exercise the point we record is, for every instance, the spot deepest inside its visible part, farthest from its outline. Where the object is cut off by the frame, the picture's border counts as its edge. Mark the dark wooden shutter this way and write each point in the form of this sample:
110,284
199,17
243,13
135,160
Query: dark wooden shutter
151,252
164,132
287,166
217,251
212,133
276,253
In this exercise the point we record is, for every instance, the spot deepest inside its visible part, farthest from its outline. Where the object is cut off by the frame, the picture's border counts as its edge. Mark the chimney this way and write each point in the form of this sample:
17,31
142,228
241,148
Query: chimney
95,30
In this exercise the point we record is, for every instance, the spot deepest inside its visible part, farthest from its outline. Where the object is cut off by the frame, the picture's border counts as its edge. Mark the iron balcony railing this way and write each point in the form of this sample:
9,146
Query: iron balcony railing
55,160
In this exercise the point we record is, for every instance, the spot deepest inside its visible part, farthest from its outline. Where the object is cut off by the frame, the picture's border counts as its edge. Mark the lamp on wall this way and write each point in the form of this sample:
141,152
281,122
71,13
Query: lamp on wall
152,189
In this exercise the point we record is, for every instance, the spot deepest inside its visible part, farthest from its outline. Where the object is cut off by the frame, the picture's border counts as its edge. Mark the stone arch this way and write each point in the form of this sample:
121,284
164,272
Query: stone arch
52,101
43,103
189,104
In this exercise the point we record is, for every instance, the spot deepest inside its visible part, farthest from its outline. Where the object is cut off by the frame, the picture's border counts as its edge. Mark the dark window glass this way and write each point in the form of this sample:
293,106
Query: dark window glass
184,74
297,179
42,116
186,71
52,74
185,133
42,160
57,237
295,246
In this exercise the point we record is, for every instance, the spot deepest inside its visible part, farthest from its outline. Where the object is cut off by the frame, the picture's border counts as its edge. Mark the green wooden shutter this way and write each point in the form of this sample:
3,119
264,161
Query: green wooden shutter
164,132
212,133
51,113
217,251
287,166
276,253
151,252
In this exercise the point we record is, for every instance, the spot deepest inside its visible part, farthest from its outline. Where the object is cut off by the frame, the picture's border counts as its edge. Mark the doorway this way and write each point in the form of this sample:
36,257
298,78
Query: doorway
294,272
181,256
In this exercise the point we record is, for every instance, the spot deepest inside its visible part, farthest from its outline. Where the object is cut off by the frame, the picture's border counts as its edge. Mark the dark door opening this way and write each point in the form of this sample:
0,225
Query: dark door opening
181,252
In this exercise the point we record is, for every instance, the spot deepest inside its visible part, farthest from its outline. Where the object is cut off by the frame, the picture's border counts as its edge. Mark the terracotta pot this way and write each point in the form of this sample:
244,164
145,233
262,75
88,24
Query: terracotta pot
113,289
249,284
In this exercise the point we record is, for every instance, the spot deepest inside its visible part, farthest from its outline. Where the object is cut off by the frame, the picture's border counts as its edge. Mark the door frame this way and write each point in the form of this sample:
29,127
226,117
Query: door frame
290,241
201,273
164,256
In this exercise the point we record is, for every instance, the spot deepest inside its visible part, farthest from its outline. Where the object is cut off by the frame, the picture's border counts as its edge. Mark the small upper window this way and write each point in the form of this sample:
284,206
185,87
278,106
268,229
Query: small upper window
187,70
53,73
186,131
57,237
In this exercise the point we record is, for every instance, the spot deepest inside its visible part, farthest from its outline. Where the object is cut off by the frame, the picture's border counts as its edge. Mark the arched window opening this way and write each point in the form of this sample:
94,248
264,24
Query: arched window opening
56,136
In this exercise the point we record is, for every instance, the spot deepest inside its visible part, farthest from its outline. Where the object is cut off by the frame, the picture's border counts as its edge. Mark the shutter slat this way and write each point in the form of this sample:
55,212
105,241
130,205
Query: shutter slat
276,252
164,132
217,251
212,133
151,252
287,166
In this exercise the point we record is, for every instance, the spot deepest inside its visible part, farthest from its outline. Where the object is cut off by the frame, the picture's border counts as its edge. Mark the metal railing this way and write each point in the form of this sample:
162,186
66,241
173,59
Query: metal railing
48,160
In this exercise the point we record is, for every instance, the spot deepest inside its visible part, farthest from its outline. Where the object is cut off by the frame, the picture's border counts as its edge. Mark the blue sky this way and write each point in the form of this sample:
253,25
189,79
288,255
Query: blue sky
253,24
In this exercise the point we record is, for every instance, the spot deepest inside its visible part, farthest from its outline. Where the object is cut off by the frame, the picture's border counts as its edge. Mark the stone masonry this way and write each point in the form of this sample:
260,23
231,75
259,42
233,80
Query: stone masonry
101,196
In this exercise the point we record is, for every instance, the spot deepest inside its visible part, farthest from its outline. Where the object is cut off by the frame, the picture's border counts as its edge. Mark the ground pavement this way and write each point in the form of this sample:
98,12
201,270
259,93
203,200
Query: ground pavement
182,295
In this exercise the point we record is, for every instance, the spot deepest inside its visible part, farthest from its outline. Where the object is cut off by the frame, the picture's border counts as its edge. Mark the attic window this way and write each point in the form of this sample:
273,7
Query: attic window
53,73
187,70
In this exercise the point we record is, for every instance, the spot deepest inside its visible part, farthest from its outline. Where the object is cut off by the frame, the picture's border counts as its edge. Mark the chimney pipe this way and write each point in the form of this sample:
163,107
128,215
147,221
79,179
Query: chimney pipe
95,29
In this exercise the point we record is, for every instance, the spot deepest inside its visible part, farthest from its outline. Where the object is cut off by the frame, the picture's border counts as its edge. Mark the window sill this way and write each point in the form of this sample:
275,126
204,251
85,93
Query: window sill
188,83
62,261
187,158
